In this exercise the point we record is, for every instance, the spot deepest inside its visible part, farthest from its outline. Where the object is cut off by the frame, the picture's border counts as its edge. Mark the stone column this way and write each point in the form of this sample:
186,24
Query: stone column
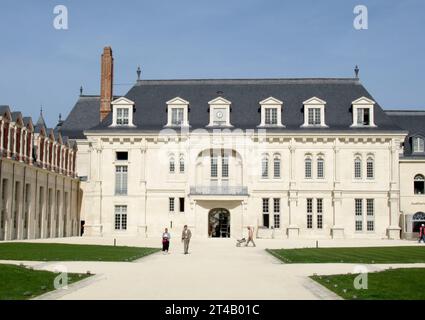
393,230
337,229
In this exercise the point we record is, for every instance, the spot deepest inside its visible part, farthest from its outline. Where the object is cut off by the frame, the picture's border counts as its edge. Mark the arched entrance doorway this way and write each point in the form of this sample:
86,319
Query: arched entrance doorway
219,223
417,219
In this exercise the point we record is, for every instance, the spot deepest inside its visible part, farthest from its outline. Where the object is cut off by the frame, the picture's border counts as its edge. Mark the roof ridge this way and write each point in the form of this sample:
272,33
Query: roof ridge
249,80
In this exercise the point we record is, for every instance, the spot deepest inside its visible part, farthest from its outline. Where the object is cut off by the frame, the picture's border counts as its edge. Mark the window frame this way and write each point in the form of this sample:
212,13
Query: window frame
175,105
419,178
121,186
121,224
418,148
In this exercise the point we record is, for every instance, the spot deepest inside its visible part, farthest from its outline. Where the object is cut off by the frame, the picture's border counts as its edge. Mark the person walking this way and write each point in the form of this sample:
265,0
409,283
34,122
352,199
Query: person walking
166,241
421,233
186,235
250,236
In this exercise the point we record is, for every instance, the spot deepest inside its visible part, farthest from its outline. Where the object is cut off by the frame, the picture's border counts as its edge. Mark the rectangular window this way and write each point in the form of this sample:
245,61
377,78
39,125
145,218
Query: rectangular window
319,208
121,156
276,169
264,168
359,214
120,217
271,116
121,174
214,167
357,168
171,205
225,166
363,116
418,144
370,210
276,212
320,168
309,213
181,205
177,116
266,221
369,169
314,116
122,116
181,165
308,168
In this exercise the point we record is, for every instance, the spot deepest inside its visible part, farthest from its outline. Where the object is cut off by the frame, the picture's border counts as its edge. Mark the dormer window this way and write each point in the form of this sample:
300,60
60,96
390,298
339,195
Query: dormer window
219,112
418,145
177,110
122,112
271,116
271,112
122,116
363,112
177,115
314,112
314,118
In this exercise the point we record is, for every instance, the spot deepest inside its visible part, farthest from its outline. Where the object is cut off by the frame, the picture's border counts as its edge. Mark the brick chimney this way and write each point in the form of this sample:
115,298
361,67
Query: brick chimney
106,82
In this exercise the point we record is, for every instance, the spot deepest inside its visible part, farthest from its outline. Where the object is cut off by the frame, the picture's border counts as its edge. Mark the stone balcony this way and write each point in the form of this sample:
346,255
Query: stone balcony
218,191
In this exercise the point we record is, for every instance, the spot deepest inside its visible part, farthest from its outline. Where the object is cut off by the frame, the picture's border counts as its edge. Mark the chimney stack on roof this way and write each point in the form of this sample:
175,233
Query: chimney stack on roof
106,79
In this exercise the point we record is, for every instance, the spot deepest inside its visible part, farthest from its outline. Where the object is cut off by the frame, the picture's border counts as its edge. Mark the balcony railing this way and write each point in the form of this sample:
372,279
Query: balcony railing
219,190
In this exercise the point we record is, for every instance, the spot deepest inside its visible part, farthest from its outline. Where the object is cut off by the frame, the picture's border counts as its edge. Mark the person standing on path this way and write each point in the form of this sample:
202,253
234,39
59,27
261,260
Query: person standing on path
422,233
186,235
166,241
250,236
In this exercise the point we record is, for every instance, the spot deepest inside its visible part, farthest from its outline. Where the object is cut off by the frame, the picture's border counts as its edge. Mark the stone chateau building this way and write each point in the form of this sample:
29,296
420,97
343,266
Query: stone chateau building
40,196
313,158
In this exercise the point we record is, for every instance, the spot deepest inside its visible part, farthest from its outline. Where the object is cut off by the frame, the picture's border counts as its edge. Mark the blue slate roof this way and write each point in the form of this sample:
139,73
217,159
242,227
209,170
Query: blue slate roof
412,121
150,97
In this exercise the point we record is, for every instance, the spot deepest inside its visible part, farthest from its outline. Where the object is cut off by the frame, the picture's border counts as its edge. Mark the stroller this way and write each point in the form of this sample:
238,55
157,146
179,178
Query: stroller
239,242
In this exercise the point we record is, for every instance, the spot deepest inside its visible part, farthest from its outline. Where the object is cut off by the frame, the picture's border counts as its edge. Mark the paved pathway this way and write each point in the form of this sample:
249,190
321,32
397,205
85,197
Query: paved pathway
215,269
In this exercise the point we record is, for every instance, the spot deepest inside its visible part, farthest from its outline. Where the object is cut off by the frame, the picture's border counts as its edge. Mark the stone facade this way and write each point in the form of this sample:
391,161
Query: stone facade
40,193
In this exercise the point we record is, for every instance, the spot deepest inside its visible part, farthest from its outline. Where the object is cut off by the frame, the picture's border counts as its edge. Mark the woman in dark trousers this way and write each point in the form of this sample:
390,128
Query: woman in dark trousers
165,241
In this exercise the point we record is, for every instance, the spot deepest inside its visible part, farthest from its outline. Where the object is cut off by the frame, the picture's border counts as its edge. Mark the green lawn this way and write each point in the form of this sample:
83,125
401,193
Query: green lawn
395,284
70,252
21,283
414,254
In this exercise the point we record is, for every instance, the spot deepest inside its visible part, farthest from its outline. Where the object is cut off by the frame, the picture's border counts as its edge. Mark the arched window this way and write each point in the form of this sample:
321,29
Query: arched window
320,168
181,164
418,144
265,167
276,166
172,164
308,168
419,184
370,168
358,168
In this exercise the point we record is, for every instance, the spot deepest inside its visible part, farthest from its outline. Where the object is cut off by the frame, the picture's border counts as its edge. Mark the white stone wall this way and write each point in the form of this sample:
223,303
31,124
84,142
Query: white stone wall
64,218
150,184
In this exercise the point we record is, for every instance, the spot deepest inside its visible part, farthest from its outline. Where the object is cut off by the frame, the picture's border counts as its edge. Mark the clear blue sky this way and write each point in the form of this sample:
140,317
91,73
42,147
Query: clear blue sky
207,39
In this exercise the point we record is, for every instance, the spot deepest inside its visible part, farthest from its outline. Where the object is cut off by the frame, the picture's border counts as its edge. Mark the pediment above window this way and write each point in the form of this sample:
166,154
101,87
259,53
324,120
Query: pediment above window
362,101
177,101
314,101
220,100
271,101
122,100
